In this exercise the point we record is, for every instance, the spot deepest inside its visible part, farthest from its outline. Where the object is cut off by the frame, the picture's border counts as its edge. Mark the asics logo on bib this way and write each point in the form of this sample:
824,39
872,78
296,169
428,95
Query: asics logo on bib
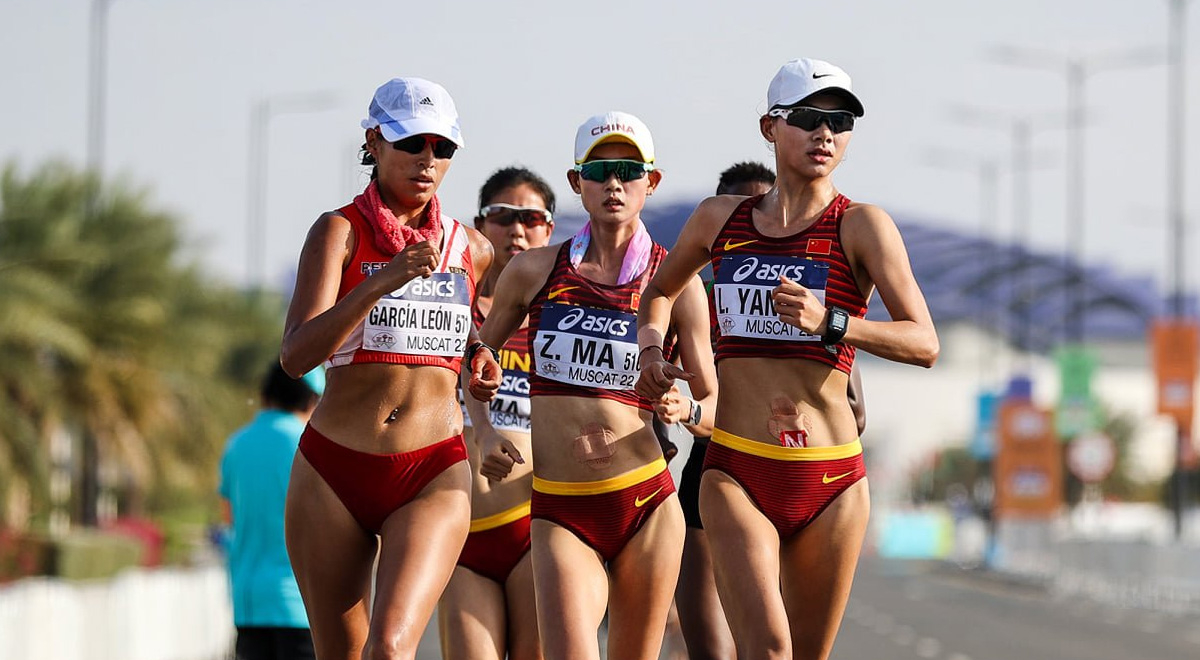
592,323
428,287
515,384
767,272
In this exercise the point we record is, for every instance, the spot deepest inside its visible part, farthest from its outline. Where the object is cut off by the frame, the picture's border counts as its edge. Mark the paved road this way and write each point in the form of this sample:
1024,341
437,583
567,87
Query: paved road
903,611
929,611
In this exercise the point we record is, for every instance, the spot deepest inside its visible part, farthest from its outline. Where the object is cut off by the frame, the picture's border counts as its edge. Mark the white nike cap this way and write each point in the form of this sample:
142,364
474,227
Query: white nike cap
613,126
412,106
801,78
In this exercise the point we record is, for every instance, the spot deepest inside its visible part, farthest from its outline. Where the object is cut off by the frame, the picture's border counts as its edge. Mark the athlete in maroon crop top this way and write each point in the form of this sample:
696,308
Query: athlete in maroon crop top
794,268
383,295
488,611
607,529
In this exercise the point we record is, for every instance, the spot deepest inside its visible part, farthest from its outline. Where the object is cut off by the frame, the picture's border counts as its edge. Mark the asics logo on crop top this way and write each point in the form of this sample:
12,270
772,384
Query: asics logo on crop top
767,272
593,323
428,287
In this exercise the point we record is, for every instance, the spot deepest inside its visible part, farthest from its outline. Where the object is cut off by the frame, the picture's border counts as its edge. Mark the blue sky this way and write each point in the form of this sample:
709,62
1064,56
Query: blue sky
184,75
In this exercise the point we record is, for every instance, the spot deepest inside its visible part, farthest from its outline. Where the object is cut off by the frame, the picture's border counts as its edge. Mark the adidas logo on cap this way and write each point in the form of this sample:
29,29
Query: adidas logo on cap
426,101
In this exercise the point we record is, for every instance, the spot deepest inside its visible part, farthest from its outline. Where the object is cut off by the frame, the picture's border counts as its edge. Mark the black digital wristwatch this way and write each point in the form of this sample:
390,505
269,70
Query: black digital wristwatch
836,321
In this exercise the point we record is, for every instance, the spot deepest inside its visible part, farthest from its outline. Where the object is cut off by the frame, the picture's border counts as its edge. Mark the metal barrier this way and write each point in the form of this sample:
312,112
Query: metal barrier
161,614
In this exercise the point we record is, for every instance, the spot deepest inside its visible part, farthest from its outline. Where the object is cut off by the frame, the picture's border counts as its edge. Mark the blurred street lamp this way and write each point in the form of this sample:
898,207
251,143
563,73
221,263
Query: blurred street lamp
89,490
1176,95
1021,129
988,172
1076,69
261,114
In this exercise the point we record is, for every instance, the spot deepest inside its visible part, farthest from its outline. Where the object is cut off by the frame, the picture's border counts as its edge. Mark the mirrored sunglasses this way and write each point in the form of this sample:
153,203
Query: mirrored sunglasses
506,214
626,170
415,144
809,119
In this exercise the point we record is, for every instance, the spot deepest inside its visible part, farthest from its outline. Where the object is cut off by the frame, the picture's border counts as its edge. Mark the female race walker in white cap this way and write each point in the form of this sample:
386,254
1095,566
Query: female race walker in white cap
383,296
488,610
784,496
607,529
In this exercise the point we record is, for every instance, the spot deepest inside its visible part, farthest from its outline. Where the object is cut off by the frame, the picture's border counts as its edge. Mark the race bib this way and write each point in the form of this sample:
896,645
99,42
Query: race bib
742,293
509,410
587,347
427,316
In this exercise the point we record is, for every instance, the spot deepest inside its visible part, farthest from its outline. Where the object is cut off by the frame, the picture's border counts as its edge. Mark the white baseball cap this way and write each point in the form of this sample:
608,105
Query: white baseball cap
412,106
613,126
801,78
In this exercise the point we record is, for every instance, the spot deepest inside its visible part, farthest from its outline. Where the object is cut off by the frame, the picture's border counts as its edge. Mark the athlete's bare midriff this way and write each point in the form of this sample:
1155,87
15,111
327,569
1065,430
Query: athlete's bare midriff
491,497
625,442
761,396
388,408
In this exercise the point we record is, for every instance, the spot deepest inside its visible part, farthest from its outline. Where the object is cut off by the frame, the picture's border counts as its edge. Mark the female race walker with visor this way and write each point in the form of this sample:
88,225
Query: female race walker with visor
784,497
487,610
607,529
383,296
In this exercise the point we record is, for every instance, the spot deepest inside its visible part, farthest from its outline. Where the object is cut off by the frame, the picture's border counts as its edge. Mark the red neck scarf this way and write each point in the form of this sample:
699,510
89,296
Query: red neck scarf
391,235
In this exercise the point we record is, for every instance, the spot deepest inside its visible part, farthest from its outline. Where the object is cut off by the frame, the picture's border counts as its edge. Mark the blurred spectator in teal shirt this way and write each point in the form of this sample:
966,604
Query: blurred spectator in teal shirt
267,610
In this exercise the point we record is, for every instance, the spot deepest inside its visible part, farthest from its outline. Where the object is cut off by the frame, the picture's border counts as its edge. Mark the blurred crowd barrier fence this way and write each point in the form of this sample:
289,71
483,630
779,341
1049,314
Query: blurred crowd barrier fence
1132,572
141,614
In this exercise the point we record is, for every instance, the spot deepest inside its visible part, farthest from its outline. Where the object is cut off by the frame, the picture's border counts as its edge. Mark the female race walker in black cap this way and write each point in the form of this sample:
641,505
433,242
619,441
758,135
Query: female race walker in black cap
784,496
383,296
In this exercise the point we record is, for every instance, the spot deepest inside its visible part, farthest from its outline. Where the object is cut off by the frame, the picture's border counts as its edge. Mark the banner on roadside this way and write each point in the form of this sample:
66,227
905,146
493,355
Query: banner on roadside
1175,362
1028,465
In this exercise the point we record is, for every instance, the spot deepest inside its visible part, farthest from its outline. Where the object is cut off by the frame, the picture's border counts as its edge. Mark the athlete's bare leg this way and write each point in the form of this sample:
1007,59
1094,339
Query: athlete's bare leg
818,570
420,543
332,557
523,641
642,583
705,630
572,592
745,553
472,622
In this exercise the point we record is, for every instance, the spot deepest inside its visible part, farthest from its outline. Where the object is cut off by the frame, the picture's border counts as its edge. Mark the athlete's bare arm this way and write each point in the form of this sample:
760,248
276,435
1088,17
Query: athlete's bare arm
879,259
681,264
517,286
694,343
317,322
483,375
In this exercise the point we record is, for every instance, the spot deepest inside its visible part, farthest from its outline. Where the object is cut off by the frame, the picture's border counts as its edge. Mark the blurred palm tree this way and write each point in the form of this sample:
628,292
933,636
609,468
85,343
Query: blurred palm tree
106,334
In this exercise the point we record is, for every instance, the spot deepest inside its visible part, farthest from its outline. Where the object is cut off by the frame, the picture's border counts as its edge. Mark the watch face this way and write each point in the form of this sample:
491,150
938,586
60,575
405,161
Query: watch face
838,318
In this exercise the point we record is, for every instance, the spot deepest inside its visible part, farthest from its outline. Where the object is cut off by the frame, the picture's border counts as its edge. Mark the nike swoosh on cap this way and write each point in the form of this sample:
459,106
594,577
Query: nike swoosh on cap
823,75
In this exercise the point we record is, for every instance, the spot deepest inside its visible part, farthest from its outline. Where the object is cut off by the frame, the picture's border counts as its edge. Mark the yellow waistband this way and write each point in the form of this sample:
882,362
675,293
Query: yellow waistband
786,453
503,518
619,482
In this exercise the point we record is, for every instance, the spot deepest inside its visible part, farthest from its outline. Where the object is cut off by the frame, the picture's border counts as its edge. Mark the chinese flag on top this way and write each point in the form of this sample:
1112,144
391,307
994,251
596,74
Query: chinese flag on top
819,246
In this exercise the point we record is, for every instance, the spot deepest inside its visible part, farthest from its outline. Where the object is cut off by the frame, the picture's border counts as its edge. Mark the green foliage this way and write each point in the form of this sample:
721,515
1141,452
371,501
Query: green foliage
106,334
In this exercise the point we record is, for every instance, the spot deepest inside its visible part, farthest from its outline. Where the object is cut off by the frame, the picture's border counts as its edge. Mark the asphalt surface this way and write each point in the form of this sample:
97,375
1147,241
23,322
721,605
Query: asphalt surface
906,610
933,611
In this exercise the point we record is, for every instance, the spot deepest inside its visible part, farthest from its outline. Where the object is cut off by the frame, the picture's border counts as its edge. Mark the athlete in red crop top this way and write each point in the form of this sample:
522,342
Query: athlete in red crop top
488,610
783,496
383,296
607,529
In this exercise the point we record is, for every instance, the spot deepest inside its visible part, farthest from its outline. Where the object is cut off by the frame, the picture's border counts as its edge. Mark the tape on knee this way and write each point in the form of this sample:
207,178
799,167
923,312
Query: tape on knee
595,445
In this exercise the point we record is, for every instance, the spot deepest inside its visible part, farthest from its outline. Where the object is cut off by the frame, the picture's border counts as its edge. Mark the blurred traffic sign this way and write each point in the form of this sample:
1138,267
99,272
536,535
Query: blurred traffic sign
1091,457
